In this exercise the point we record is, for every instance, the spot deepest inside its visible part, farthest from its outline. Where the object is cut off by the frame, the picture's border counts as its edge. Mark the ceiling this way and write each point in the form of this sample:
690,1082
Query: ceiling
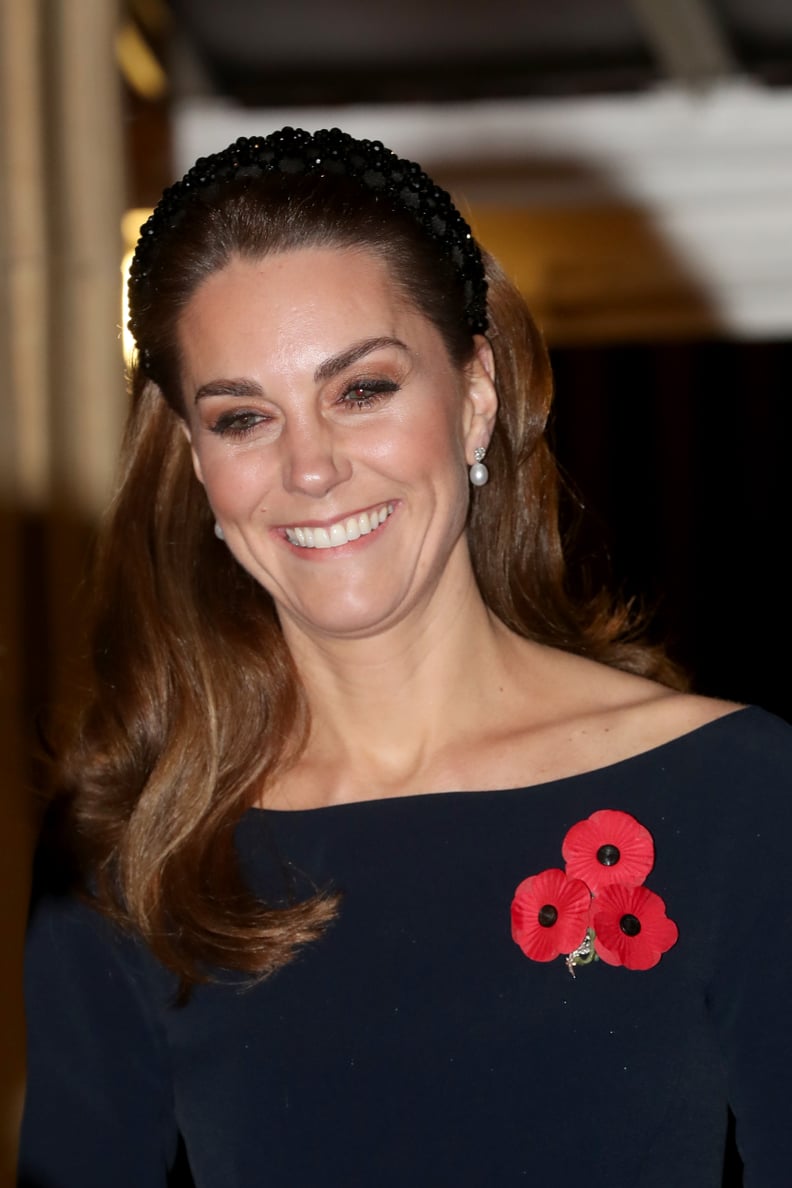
312,51
629,160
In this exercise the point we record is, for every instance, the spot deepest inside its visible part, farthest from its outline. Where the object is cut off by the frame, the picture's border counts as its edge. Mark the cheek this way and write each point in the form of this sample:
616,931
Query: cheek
233,485
427,455
427,437
440,445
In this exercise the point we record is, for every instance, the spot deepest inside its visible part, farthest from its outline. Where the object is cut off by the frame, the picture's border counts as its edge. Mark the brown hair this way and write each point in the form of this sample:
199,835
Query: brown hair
195,703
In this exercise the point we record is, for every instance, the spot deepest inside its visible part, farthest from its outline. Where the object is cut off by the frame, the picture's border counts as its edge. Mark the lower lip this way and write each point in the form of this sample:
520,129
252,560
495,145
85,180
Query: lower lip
351,546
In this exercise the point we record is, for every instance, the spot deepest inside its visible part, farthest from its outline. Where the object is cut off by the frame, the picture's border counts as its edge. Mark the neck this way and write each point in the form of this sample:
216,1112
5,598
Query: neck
385,709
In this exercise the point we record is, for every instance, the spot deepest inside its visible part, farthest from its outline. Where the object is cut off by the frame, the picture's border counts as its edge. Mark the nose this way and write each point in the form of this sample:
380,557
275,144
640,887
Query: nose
312,460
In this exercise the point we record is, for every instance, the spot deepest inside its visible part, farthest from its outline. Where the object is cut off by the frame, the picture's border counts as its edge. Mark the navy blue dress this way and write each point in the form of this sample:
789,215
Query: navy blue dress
414,1044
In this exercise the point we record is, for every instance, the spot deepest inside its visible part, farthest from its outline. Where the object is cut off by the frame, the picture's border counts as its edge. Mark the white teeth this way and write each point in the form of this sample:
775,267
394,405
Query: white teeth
352,528
340,533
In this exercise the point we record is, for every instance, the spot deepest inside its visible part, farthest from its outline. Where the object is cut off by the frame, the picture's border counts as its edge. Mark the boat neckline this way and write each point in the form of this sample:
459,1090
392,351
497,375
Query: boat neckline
619,764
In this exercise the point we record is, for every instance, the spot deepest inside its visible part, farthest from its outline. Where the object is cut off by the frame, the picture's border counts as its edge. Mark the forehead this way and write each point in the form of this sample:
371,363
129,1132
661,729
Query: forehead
330,281
295,307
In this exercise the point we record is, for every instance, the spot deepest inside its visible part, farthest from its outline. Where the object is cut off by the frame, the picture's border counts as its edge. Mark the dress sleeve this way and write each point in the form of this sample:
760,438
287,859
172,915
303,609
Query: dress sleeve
749,995
99,1104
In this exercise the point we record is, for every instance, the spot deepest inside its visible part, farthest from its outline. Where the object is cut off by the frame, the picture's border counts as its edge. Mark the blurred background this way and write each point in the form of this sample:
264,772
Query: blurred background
630,161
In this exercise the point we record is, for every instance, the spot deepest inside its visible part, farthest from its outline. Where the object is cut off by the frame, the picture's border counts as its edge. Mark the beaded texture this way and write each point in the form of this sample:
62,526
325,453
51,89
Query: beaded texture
329,152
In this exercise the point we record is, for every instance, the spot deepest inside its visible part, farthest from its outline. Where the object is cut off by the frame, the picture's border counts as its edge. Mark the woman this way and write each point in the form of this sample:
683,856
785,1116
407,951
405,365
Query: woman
356,775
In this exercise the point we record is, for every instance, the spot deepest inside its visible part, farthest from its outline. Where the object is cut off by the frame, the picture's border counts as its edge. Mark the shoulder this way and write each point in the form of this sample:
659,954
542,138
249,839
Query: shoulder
739,757
641,716
650,717
585,687
579,716
77,964
630,716
722,788
74,951
747,755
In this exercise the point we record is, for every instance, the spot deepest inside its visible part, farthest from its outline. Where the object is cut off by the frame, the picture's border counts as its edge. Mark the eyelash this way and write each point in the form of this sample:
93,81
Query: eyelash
242,422
374,389
238,424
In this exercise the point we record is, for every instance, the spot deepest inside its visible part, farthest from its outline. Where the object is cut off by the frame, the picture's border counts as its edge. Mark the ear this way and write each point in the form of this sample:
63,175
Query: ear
482,398
185,428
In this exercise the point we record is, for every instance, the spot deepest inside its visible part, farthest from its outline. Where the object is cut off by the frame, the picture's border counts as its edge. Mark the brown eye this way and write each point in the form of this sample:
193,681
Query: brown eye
238,423
366,393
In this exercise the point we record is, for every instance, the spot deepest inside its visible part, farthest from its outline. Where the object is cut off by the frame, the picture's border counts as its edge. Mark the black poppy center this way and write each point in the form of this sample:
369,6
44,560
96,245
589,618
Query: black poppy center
630,924
608,855
548,915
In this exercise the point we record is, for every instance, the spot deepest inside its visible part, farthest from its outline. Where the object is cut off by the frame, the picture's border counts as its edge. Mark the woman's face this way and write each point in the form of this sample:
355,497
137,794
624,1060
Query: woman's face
332,434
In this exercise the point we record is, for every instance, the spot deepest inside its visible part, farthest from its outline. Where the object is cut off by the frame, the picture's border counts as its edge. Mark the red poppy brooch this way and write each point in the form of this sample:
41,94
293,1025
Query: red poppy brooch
598,907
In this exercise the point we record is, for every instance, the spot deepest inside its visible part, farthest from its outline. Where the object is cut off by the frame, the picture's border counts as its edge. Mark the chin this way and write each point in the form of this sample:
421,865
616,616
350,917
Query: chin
343,624
345,613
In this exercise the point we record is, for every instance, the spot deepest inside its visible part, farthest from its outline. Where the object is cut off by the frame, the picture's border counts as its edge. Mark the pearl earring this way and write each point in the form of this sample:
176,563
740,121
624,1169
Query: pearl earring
478,471
219,531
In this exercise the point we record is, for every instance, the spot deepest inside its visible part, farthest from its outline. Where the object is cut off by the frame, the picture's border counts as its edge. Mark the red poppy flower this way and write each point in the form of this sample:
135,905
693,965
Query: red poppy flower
549,914
609,847
631,927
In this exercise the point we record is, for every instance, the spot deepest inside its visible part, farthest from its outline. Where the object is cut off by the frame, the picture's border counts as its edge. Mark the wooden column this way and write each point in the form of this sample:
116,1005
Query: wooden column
61,198
24,490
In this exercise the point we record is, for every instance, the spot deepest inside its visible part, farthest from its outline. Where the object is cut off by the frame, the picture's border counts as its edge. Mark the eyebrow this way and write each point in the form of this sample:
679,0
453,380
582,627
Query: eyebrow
245,389
340,362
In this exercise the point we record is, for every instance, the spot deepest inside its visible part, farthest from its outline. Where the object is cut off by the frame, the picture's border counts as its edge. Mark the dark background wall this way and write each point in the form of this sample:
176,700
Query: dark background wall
680,453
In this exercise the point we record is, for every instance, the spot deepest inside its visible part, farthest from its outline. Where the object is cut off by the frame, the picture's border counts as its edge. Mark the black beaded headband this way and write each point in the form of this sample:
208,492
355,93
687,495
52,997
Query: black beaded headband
328,152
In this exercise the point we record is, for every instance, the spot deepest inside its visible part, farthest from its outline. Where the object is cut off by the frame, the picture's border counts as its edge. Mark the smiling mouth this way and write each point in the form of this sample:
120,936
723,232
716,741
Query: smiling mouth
340,533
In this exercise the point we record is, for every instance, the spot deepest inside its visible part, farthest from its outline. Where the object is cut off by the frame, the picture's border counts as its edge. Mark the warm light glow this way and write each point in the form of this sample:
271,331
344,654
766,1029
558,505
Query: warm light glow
131,223
138,64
